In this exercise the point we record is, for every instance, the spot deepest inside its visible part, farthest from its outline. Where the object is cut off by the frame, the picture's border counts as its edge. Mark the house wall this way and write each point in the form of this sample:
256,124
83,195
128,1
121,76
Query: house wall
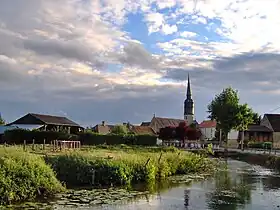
276,140
265,122
208,133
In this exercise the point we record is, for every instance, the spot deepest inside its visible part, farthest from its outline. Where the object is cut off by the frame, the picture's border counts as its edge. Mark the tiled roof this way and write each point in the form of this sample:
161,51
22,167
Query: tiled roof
103,129
159,122
48,119
57,120
143,130
274,120
258,128
208,124
145,123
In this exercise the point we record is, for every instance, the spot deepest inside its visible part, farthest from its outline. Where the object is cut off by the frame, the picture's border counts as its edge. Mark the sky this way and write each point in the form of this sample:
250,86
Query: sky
126,60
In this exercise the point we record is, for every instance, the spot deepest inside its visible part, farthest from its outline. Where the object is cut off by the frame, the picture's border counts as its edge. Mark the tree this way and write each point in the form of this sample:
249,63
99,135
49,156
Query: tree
223,109
228,113
2,121
119,129
256,118
244,117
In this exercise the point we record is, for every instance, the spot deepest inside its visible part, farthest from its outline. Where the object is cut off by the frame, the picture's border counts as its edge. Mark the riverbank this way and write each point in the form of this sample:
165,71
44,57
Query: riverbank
26,176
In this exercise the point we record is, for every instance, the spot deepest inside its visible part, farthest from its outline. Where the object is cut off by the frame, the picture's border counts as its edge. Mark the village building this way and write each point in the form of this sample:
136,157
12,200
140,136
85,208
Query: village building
208,129
47,123
104,129
189,105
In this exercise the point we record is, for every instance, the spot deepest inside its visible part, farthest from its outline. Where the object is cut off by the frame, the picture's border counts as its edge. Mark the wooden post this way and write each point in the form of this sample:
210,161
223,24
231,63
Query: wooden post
147,162
33,144
44,144
24,145
160,157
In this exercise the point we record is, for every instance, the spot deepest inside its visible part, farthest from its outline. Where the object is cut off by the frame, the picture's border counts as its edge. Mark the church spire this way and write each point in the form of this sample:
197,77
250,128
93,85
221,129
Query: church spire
189,104
189,92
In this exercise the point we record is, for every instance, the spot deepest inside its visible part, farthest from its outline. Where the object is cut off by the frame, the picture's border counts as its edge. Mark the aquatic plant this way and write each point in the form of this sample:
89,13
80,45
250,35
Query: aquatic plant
121,167
25,176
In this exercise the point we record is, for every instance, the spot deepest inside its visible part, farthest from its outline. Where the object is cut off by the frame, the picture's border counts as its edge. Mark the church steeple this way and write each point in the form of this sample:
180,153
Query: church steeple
189,104
189,92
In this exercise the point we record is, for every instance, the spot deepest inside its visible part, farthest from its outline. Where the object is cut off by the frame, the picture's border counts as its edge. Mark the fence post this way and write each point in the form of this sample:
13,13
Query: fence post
44,144
24,145
33,144
160,157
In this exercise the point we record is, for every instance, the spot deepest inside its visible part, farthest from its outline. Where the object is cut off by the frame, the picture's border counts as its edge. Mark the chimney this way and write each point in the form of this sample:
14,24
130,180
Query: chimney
103,123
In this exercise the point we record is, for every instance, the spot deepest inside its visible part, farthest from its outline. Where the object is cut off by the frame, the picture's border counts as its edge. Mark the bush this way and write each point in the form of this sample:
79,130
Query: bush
124,168
260,145
114,139
17,136
25,176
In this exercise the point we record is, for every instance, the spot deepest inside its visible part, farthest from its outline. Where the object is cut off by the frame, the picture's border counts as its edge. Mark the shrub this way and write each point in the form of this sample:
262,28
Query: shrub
25,176
124,168
17,136
119,129
260,145
115,139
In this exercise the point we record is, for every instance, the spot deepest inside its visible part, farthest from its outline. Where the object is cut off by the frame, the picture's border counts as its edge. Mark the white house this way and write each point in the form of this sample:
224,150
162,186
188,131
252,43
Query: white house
208,129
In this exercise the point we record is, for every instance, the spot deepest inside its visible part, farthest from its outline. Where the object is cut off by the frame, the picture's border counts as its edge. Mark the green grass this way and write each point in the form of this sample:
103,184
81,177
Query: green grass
115,166
25,176
36,172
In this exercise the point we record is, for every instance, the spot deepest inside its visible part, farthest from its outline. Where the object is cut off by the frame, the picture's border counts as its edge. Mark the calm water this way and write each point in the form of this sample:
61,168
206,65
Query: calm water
241,186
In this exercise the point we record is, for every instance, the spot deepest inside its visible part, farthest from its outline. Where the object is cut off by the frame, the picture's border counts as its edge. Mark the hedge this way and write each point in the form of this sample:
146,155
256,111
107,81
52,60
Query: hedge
17,136
111,139
260,145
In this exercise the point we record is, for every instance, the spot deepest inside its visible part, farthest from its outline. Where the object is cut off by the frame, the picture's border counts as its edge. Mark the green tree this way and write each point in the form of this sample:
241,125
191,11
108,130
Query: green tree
2,121
229,114
223,109
119,129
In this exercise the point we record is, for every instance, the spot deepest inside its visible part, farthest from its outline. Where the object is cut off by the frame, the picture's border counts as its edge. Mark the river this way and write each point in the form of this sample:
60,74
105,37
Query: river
239,186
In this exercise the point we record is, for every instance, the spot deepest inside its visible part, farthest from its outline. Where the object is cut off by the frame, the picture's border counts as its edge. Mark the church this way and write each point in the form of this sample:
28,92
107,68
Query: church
159,122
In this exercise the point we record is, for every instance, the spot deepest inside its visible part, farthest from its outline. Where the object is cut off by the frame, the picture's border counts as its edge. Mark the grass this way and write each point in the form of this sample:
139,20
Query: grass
122,165
25,176
37,172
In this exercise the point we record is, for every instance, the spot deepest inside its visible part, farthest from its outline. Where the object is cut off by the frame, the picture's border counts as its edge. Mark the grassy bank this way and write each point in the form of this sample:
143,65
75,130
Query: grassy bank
114,166
266,160
25,176
32,173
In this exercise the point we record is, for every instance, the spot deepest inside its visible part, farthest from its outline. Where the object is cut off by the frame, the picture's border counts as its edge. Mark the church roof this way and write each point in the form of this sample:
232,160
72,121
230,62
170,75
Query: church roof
208,124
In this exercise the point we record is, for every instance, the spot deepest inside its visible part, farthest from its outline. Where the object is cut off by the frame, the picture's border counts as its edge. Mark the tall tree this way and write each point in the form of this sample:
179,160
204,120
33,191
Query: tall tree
244,117
229,114
223,109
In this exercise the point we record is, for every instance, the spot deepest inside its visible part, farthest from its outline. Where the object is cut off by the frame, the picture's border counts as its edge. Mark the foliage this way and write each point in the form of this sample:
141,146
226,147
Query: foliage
2,121
260,145
228,113
124,167
17,136
119,129
181,132
112,139
25,176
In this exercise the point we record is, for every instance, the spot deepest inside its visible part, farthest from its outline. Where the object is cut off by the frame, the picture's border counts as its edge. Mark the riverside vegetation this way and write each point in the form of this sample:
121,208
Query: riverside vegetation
26,175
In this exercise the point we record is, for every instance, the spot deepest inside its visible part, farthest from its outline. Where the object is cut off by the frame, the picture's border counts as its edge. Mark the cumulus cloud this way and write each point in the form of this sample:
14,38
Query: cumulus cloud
74,57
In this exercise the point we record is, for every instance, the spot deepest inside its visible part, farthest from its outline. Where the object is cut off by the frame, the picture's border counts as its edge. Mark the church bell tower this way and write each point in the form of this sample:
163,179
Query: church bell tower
189,105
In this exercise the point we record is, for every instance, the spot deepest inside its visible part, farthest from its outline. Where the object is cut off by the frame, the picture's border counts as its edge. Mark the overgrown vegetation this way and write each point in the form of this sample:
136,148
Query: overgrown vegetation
124,167
25,176
17,136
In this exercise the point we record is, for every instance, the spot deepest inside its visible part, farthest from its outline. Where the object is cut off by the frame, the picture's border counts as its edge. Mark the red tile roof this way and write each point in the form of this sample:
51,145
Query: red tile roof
143,130
208,124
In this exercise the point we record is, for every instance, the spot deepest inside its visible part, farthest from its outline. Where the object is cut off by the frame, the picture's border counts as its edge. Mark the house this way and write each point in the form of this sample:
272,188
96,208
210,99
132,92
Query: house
159,122
47,123
272,121
258,133
102,128
208,129
142,130
136,129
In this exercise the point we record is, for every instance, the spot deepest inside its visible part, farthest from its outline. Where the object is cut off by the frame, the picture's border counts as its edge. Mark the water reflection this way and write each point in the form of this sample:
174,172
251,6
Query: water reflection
230,192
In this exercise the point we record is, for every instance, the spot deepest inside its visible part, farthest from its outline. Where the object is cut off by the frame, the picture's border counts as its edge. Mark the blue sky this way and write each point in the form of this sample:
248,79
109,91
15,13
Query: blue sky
124,60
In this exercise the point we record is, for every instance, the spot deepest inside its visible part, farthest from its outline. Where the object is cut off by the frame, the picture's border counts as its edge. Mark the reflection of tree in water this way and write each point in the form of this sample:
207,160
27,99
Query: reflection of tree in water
186,198
230,192
271,182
